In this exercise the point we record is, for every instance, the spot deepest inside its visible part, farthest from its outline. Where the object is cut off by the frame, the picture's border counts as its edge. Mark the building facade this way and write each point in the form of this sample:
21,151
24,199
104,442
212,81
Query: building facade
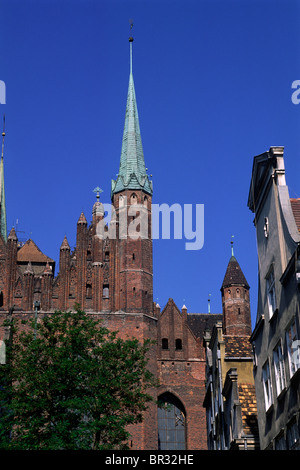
230,399
110,275
275,338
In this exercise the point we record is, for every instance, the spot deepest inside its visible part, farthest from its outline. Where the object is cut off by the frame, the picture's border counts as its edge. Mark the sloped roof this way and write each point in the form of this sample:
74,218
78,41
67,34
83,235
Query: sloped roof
247,399
237,346
199,322
295,203
30,252
234,275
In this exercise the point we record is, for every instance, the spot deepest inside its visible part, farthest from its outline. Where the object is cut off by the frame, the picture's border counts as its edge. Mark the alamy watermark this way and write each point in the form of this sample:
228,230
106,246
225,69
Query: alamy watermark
176,221
296,94
2,92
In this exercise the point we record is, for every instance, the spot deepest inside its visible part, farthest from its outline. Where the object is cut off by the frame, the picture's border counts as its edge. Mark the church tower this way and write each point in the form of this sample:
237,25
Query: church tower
235,300
131,195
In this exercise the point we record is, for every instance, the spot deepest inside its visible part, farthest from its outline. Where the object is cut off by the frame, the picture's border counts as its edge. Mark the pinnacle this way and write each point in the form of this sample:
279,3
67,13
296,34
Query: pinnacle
29,269
12,235
48,269
82,219
65,245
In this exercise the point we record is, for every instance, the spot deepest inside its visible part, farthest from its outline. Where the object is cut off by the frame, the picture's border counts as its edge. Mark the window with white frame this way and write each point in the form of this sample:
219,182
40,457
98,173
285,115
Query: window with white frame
267,385
293,348
279,368
271,292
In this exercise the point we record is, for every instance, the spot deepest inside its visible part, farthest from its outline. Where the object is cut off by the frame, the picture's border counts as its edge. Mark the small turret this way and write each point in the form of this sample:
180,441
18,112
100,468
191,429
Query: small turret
235,300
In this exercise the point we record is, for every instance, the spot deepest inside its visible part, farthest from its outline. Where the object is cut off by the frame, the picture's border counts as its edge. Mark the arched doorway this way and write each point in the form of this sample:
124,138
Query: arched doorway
171,423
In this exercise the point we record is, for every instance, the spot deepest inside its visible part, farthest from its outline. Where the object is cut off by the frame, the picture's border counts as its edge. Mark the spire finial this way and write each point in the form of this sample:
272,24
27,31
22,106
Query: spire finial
97,190
209,295
130,42
231,243
3,135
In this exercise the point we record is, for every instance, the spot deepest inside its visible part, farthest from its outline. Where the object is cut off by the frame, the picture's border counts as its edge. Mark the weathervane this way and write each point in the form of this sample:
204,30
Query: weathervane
97,190
131,24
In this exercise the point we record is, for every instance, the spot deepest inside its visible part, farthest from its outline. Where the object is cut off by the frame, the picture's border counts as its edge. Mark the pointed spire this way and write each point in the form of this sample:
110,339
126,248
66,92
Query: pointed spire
65,244
3,223
29,269
234,275
82,219
12,234
48,269
132,172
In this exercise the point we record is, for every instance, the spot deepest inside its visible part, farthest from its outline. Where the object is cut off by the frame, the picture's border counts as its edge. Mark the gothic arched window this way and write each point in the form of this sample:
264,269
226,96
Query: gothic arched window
171,423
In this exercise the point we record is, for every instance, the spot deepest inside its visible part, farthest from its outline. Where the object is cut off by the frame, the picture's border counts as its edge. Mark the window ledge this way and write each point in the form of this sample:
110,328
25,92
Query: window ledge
282,393
270,409
275,314
295,375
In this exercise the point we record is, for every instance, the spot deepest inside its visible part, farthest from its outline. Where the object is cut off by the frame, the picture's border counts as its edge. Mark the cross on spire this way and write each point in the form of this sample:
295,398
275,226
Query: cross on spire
97,191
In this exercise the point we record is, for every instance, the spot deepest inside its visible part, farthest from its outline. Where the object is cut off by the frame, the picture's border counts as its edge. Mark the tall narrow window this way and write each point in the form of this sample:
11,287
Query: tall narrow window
293,347
279,368
178,344
164,343
271,292
105,291
171,423
89,291
267,385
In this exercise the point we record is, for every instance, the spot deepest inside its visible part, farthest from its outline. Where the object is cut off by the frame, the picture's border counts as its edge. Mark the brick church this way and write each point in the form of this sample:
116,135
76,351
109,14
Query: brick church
112,278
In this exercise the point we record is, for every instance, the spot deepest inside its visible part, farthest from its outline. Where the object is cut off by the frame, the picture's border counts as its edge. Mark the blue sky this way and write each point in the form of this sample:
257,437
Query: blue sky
213,84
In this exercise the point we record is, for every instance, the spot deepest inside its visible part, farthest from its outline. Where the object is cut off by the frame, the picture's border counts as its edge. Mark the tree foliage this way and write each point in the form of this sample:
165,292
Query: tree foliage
72,385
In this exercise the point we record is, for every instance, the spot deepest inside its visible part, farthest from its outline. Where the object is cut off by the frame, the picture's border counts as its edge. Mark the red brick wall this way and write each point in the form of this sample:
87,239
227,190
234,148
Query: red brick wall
182,372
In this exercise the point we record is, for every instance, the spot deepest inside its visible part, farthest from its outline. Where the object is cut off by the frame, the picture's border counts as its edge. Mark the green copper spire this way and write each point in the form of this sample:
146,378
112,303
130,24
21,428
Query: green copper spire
3,224
132,172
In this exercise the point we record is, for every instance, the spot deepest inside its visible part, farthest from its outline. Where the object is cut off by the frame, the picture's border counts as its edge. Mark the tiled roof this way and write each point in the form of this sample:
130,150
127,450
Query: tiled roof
237,346
295,203
234,275
247,398
199,322
30,252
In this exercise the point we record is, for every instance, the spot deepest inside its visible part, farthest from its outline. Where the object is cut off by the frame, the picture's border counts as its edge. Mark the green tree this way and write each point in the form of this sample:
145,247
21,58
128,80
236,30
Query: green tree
72,385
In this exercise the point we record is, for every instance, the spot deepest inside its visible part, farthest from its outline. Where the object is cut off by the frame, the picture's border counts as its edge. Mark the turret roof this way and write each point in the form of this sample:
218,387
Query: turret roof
234,275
